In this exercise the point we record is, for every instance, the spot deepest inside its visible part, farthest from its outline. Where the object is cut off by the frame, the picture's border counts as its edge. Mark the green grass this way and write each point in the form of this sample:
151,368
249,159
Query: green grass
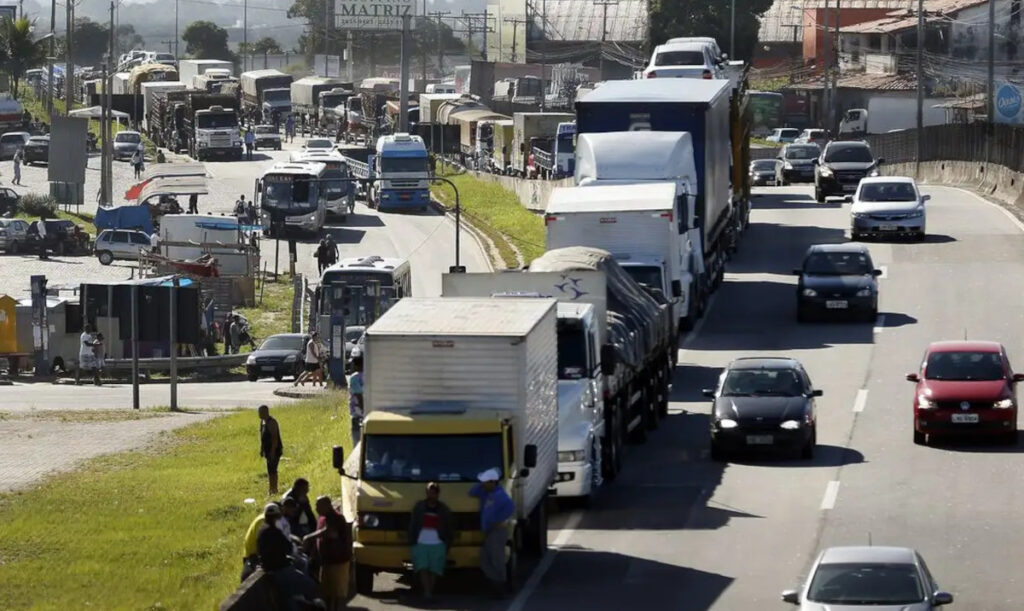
496,212
82,219
763,142
160,528
274,315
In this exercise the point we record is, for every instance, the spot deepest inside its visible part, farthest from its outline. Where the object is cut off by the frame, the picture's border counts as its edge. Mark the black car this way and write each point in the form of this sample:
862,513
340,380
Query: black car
837,279
841,166
763,403
37,149
278,356
762,172
9,201
796,163
62,238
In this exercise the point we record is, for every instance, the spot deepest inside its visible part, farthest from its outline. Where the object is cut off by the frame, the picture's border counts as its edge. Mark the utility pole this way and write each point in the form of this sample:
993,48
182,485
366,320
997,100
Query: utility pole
348,52
69,69
732,29
827,64
245,32
403,75
487,27
176,35
327,34
440,40
920,88
543,54
834,101
106,161
515,33
170,45
49,60
604,4
423,44
991,62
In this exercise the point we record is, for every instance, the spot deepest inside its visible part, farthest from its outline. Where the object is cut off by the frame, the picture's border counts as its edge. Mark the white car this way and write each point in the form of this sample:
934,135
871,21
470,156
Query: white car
693,59
318,144
783,135
120,244
888,205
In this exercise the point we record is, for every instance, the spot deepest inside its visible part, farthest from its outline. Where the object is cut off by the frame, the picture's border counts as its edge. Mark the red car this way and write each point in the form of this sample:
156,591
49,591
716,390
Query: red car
965,387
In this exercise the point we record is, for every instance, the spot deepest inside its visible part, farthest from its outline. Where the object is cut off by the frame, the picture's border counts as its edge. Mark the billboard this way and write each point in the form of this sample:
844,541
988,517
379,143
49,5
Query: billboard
506,37
1009,106
373,14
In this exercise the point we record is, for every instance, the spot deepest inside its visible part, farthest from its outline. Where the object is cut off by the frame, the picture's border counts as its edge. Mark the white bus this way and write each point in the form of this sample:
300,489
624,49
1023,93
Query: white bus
294,194
372,285
341,194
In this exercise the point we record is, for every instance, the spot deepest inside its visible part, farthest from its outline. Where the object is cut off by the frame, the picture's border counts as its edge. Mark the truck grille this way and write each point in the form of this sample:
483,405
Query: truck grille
399,520
405,184
220,142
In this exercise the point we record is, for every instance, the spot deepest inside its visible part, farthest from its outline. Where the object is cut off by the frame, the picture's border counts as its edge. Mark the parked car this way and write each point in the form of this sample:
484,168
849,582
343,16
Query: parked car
126,143
763,403
13,235
843,163
687,59
62,238
837,279
783,135
796,163
9,201
37,149
318,144
267,136
358,350
10,142
889,205
813,136
869,577
120,244
278,356
965,387
353,338
762,172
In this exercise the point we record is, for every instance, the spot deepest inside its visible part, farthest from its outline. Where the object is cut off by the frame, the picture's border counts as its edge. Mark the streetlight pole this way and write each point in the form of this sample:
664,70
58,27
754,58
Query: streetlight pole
49,60
732,29
69,69
920,88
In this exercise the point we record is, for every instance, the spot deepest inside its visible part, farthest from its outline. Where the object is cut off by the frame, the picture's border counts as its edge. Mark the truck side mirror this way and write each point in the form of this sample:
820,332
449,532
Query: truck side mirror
677,288
338,457
609,359
530,456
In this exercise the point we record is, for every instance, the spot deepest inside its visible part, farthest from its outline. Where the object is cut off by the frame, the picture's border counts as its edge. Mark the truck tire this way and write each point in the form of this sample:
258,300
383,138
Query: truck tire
654,401
364,580
666,391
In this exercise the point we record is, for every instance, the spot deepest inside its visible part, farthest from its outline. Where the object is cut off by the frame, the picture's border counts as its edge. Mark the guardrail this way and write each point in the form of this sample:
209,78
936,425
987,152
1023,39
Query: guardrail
223,361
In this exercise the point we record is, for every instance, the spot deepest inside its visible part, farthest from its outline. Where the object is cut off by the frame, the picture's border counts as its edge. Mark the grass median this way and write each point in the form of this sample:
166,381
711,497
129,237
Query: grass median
496,212
159,528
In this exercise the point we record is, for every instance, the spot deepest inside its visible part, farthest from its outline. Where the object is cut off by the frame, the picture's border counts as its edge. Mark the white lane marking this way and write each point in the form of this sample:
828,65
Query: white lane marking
519,602
831,492
861,401
879,323
885,271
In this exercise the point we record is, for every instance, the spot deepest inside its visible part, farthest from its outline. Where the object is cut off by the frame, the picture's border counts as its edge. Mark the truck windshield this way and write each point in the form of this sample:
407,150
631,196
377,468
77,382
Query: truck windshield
277,95
403,164
430,458
645,274
572,350
330,101
217,121
566,145
355,104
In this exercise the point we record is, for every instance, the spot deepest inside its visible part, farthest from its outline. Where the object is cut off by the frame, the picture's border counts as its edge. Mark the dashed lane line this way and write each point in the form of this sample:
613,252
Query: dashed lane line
861,401
831,493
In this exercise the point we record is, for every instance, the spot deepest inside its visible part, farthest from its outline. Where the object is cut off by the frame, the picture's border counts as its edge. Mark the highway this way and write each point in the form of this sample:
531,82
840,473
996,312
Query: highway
677,531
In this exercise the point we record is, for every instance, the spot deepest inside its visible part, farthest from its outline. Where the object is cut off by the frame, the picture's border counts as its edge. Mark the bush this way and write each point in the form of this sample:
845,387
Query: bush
43,206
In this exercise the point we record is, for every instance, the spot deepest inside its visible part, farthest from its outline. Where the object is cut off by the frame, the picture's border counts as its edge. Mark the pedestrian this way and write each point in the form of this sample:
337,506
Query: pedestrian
87,355
496,507
321,256
250,141
276,119
289,127
355,398
193,203
305,522
154,242
313,355
250,212
160,157
431,535
44,240
137,162
240,208
303,126
333,538
19,156
235,334
271,446
98,351
250,550
331,252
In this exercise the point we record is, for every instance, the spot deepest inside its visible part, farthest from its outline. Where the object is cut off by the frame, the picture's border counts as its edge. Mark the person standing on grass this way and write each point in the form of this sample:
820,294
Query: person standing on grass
431,535
19,156
271,446
235,334
496,507
305,521
355,398
333,538
313,356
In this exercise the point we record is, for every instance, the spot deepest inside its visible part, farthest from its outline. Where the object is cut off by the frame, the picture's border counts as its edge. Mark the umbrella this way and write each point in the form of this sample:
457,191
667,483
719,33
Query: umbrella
96,112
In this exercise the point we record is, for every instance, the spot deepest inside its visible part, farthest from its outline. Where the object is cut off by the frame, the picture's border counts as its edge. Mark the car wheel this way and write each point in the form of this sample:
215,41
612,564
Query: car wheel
13,248
1010,438
855,236
920,438
920,237
278,377
106,257
819,195
253,377
717,453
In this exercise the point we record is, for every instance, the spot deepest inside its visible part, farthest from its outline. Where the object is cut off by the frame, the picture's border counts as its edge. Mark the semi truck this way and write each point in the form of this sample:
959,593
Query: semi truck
211,126
149,91
453,388
188,69
305,96
399,170
166,120
704,109
213,80
554,156
264,91
328,121
148,73
529,125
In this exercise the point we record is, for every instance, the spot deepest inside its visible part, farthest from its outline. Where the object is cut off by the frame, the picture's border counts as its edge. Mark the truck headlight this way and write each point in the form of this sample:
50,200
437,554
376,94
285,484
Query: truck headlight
369,520
825,171
1003,404
787,165
237,143
385,195
810,293
202,144
290,358
573,456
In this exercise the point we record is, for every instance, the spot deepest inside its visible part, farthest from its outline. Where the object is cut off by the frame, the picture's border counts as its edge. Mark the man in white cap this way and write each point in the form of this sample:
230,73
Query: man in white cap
496,507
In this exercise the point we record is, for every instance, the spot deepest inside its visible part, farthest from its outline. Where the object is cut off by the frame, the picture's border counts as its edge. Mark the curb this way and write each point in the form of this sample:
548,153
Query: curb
471,230
295,393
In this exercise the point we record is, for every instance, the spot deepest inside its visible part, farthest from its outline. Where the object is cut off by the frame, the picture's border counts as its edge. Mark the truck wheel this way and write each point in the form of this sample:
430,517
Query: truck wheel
654,401
106,257
665,391
364,580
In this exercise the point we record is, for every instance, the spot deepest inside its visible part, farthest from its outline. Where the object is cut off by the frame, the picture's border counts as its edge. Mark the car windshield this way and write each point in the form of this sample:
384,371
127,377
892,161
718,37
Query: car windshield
866,584
679,58
127,137
813,134
319,144
282,342
837,264
849,154
762,382
38,140
788,133
763,165
265,129
429,458
802,152
964,366
887,192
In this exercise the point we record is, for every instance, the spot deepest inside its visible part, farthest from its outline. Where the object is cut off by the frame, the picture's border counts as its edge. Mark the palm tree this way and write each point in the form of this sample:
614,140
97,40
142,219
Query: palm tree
18,51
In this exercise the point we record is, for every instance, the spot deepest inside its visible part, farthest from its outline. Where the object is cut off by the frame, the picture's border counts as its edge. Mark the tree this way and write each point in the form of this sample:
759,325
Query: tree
18,51
207,40
91,41
677,18
264,46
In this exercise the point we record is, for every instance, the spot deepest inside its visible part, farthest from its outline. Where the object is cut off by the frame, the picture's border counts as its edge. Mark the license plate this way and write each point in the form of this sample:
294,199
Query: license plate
850,188
268,368
759,440
965,418
404,196
837,304
888,228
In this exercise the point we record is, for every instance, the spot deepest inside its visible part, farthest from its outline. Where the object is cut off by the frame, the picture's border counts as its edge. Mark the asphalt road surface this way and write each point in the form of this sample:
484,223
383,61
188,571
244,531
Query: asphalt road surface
677,531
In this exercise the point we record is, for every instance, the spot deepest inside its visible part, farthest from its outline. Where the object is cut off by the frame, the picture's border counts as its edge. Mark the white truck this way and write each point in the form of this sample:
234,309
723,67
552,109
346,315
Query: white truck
148,95
529,126
453,387
119,84
191,68
264,92
213,80
305,96
638,158
635,223
885,115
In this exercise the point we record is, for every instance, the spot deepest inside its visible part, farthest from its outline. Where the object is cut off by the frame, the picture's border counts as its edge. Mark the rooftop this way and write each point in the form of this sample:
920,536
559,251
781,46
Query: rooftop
965,345
874,82
778,21
880,554
659,90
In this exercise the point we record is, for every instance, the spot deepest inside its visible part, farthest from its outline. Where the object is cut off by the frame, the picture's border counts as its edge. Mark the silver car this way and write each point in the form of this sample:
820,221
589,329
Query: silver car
126,143
13,235
888,205
10,142
120,244
868,577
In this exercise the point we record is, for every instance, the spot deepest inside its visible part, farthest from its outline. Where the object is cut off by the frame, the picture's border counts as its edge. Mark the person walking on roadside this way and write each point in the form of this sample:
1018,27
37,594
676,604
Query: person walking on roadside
321,256
87,355
19,156
333,539
235,334
313,356
289,128
44,240
193,203
137,162
496,507
99,353
154,242
240,209
431,535
271,446
331,251
355,398
250,141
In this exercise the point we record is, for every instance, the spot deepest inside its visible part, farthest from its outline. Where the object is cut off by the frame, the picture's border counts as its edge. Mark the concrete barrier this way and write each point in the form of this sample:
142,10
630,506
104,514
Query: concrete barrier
994,182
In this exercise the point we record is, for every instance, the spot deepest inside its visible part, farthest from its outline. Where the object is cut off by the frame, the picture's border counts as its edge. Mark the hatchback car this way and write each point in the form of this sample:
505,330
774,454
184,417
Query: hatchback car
763,403
889,205
10,201
965,387
13,235
120,244
685,59
11,142
126,143
796,163
842,165
869,577
837,279
278,356
783,135
37,149
813,136
762,172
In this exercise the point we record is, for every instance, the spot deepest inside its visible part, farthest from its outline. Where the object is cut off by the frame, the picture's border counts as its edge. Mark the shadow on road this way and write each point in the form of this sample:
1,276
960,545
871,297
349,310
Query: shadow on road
824,456
792,201
772,248
359,220
344,235
895,319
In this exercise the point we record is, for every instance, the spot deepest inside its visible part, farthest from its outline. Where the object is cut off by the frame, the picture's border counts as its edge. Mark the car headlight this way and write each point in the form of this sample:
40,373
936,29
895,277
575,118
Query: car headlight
290,358
916,213
727,423
924,402
865,292
573,456
788,165
790,425
251,360
1003,404
874,172
825,171
369,520
810,293
202,144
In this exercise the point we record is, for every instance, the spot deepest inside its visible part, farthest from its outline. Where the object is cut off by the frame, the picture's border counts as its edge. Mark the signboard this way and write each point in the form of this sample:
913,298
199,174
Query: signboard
1009,105
68,154
373,14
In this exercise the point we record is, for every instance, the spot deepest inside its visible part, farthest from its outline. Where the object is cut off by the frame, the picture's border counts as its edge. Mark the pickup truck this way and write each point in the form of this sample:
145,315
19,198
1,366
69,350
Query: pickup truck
268,137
